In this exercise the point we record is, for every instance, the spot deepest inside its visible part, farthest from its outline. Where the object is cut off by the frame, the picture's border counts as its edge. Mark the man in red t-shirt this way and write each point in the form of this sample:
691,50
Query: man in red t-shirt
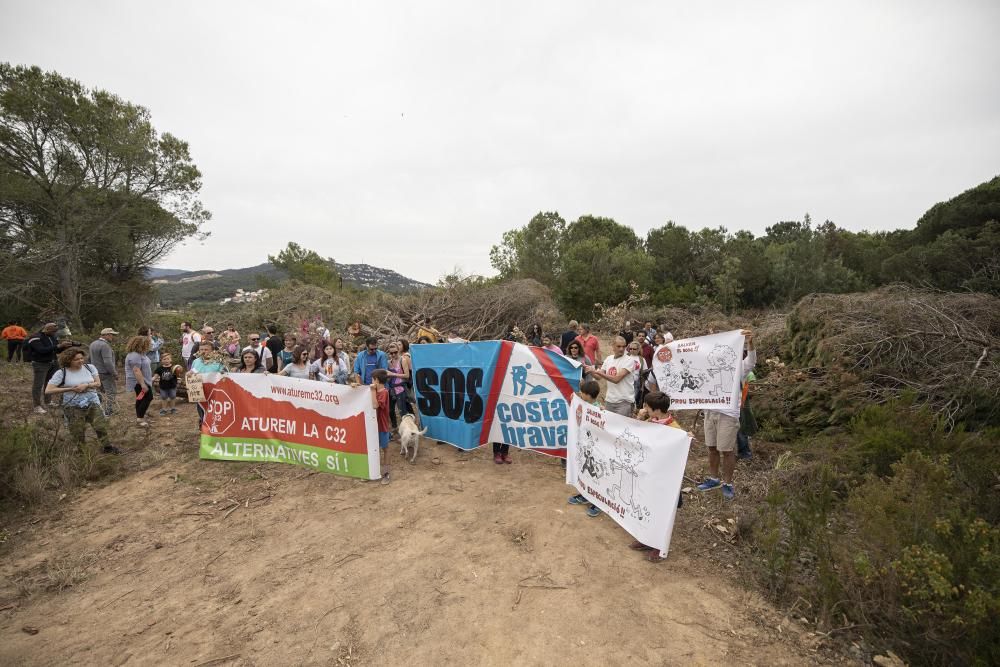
380,401
591,346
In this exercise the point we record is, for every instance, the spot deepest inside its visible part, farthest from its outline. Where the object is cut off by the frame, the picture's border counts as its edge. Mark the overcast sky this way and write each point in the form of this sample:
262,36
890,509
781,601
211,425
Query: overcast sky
412,135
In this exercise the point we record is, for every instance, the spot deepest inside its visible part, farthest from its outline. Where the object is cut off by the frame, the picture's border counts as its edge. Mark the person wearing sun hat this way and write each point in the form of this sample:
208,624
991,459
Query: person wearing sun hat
102,357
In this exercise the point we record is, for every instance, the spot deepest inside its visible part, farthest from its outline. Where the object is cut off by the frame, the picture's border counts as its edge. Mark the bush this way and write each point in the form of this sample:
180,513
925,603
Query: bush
891,527
35,457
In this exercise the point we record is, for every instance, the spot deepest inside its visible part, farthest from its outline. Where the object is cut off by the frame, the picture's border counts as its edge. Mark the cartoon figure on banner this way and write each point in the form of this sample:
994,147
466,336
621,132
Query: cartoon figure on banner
519,378
591,465
690,377
723,369
628,454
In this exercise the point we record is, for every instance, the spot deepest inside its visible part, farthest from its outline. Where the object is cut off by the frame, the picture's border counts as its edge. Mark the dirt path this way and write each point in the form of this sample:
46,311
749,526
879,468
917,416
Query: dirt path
458,561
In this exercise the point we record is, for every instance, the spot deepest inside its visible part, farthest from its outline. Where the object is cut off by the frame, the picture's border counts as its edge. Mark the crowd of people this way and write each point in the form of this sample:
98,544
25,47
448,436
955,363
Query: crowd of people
86,377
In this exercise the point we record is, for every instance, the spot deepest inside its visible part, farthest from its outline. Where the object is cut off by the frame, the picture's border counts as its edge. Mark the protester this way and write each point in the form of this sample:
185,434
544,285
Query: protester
14,334
575,352
42,348
380,401
230,340
343,359
285,356
78,381
274,345
748,423
166,381
208,360
591,346
656,410
139,376
547,344
569,336
407,360
250,362
370,360
646,350
501,453
328,366
102,356
396,385
155,343
188,340
618,369
207,335
720,435
535,335
298,367
638,383
589,391
263,353
424,340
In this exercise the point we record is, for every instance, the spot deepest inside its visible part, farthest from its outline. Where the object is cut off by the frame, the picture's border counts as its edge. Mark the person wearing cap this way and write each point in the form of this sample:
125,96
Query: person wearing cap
207,335
102,357
43,348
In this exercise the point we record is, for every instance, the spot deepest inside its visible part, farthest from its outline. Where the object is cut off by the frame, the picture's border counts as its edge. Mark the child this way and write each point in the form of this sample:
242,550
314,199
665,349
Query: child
164,376
589,390
655,409
380,401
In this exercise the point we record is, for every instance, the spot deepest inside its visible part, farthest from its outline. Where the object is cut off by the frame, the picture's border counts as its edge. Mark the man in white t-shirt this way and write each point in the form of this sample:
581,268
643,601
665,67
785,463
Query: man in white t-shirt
188,338
619,370
266,358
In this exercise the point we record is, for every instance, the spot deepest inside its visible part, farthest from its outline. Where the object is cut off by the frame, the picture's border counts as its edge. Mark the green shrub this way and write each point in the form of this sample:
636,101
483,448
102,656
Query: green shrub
893,526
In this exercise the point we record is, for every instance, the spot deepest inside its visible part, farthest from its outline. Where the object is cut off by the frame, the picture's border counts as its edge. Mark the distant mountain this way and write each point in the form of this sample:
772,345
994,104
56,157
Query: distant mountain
178,287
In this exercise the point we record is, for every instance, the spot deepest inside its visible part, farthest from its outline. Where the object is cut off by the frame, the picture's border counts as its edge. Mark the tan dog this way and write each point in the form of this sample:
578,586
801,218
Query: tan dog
409,436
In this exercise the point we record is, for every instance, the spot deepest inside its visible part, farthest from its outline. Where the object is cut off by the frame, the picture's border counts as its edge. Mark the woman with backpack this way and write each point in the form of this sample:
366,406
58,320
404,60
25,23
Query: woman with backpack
78,383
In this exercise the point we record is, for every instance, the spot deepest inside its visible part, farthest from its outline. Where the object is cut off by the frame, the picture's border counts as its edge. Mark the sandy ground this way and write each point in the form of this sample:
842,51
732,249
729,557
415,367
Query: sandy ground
458,561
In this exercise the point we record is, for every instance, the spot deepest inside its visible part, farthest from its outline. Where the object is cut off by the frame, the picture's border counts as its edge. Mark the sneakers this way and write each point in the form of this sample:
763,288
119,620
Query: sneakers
163,412
506,458
577,500
385,479
709,483
173,411
142,423
39,410
728,492
592,511
498,459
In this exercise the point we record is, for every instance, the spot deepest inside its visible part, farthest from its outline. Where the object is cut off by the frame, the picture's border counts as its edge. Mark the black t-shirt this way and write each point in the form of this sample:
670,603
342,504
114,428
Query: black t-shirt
167,378
275,344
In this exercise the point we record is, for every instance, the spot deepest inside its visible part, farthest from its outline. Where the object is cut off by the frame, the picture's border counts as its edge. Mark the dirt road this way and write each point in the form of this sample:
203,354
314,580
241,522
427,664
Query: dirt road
459,561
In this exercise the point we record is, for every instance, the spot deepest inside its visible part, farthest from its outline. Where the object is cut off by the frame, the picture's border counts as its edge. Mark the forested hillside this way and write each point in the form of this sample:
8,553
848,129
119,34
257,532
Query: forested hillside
954,246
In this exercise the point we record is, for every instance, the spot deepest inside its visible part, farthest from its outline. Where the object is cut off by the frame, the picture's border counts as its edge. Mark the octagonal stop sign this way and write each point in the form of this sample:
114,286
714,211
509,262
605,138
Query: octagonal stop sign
220,412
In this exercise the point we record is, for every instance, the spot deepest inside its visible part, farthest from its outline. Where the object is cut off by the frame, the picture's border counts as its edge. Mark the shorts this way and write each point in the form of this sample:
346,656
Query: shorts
168,393
623,408
383,439
721,430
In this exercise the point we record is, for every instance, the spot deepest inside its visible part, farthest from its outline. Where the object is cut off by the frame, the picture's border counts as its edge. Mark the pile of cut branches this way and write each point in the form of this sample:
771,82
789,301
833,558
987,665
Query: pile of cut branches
845,351
471,309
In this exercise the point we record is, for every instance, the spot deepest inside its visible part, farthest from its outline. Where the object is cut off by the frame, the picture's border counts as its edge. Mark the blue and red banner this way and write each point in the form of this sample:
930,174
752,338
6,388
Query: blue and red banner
471,394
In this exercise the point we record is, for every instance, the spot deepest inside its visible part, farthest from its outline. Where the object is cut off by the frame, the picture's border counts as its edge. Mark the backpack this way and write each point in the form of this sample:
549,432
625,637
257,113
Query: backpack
26,352
62,382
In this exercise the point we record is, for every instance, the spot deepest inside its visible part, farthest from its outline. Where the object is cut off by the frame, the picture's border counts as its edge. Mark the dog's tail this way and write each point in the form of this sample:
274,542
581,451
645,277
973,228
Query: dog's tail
422,432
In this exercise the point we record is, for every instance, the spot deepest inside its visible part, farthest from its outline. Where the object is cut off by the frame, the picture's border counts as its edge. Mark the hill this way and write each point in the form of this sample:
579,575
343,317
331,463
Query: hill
177,287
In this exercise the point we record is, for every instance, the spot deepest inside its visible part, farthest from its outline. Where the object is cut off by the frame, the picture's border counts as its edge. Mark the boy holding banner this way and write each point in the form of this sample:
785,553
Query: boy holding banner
380,401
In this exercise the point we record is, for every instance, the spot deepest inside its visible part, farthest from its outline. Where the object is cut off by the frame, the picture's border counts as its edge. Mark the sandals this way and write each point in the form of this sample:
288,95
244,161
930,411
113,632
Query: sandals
655,557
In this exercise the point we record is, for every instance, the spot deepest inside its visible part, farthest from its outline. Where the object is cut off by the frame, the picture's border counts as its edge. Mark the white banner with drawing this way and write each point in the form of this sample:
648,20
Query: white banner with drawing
701,373
632,470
